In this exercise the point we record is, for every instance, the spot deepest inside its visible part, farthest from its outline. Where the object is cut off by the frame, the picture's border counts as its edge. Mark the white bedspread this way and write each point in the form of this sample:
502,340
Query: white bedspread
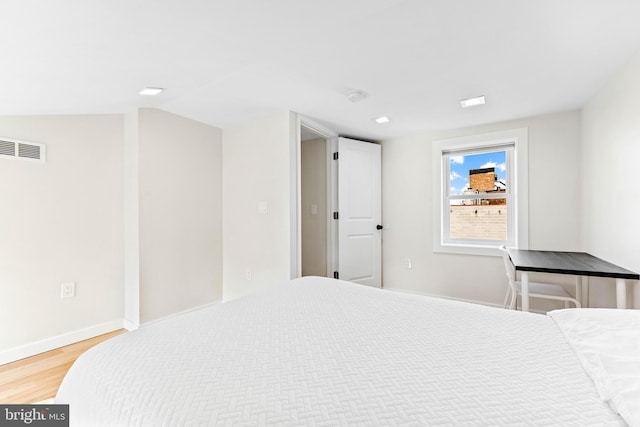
607,342
321,352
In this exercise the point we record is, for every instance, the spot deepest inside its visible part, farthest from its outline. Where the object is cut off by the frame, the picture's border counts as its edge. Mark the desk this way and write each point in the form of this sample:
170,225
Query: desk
573,263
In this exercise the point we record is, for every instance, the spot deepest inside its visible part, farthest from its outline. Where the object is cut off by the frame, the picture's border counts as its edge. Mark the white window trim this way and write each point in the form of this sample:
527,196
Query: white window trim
520,186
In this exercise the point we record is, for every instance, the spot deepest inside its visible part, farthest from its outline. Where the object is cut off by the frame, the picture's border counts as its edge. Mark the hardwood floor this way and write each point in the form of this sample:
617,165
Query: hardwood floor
38,377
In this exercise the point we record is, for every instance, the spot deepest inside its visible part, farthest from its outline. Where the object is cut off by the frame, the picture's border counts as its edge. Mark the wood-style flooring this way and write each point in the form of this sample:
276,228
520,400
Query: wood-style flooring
37,378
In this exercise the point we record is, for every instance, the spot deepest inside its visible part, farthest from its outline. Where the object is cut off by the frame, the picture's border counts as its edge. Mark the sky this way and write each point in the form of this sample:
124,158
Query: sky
460,166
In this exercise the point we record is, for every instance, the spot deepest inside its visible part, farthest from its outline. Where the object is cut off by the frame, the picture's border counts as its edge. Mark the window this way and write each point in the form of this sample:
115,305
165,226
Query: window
480,192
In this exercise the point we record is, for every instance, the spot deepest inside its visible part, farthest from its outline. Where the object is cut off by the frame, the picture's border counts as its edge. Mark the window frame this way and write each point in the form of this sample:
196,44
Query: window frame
508,148
517,190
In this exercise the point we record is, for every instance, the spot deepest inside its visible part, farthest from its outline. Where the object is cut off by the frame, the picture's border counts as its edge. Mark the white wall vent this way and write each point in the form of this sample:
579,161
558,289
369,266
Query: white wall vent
14,149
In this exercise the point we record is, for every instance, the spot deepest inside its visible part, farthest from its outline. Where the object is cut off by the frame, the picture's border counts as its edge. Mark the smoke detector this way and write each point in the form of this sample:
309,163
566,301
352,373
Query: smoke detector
356,95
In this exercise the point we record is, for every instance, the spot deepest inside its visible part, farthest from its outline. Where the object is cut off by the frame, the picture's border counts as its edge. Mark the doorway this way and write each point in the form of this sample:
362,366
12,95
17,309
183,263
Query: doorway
314,203
354,255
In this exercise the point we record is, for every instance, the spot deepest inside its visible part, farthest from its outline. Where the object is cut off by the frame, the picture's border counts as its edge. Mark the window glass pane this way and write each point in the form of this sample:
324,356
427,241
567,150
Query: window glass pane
477,217
484,219
484,173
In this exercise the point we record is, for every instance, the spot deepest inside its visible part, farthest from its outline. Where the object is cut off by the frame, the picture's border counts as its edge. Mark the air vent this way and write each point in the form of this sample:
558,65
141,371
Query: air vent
13,149
29,151
7,148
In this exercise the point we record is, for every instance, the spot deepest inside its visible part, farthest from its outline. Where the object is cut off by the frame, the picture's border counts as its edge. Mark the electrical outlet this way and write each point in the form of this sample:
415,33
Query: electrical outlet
248,274
407,264
68,290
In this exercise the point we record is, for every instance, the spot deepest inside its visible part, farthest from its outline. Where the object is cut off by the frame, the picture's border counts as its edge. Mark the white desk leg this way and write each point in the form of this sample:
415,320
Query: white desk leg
621,293
524,280
579,290
585,291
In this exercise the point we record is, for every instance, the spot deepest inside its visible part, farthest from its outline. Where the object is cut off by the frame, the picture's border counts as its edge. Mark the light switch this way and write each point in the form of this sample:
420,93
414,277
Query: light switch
68,290
314,209
263,206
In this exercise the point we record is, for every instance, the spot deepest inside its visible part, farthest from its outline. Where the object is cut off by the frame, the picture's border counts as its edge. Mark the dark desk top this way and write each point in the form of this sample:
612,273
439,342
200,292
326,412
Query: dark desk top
576,263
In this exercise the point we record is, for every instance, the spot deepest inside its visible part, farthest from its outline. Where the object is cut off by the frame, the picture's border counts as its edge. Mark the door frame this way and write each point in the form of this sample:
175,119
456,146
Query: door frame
331,138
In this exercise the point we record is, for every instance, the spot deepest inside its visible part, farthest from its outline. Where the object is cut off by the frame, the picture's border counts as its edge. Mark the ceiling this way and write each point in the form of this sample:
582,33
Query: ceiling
226,62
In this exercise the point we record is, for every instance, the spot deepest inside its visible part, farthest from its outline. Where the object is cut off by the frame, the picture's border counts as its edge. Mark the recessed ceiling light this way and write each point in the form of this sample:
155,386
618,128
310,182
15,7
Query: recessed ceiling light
478,100
151,91
382,119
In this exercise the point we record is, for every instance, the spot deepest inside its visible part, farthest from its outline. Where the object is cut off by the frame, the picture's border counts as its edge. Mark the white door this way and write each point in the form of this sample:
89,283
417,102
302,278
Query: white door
360,212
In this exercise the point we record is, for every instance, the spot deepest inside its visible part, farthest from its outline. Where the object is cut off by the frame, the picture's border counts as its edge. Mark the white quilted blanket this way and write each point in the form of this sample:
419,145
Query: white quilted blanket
320,352
607,342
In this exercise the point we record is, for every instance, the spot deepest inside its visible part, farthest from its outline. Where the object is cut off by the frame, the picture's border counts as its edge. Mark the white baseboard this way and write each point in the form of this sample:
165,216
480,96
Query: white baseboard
488,304
200,307
130,326
47,344
28,350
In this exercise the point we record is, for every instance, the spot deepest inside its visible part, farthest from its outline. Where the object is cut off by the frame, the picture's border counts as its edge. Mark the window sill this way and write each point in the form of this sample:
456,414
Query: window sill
462,249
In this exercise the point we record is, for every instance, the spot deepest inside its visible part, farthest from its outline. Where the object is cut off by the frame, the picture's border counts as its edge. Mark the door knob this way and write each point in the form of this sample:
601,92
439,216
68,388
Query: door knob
379,227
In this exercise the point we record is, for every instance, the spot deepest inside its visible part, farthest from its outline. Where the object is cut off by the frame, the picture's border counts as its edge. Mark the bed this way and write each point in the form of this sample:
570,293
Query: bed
323,352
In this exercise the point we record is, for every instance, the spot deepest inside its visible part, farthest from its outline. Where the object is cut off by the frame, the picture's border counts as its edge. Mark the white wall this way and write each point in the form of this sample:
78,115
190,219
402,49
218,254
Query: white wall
61,221
257,168
133,199
408,210
610,195
314,192
180,215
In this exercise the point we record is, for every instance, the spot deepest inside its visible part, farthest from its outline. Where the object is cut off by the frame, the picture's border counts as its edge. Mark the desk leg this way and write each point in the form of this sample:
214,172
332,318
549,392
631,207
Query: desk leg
621,293
524,280
579,290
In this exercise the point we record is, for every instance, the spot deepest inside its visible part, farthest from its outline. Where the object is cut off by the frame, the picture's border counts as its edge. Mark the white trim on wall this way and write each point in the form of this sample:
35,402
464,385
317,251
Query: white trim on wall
180,313
132,220
450,298
296,240
520,139
295,198
129,325
62,340
58,341
332,204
